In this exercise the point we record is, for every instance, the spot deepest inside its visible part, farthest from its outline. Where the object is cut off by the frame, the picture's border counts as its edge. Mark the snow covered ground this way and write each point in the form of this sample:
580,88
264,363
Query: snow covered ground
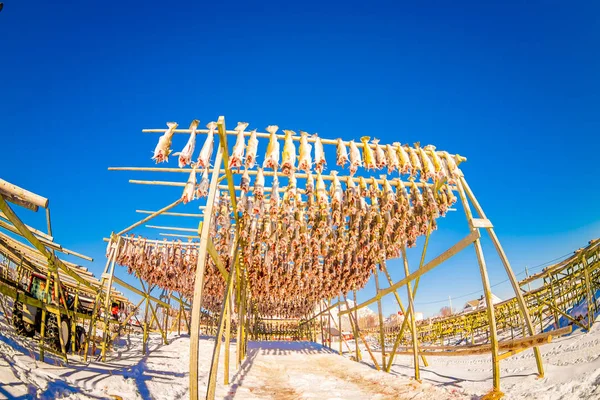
272,370
571,363
294,370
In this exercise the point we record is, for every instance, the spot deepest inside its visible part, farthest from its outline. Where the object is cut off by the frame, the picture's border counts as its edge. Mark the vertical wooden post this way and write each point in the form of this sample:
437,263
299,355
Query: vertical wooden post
58,295
229,310
404,322
329,324
409,312
167,311
486,290
212,378
199,282
74,320
358,355
107,305
145,334
112,254
375,363
555,314
45,301
462,187
179,319
588,293
412,321
340,323
380,314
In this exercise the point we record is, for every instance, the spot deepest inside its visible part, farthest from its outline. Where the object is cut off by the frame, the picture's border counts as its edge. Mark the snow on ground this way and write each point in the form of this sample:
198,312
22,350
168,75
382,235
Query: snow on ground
571,363
294,370
272,370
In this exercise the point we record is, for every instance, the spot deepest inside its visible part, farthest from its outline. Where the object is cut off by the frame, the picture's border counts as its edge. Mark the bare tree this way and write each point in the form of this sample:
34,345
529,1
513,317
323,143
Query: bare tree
445,311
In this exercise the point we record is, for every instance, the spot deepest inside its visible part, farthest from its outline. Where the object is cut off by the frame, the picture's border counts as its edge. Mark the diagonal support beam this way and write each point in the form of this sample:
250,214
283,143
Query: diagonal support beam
458,247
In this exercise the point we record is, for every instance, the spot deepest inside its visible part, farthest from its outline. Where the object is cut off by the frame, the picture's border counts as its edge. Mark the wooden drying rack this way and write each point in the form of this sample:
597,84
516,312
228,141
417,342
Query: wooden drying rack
236,281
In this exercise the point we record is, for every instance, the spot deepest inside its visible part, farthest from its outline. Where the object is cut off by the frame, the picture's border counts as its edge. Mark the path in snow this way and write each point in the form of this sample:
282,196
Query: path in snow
302,370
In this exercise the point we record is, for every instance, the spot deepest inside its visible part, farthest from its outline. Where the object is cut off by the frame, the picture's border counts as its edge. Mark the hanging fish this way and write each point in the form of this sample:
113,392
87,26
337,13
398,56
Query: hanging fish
321,192
380,160
272,157
237,154
405,165
304,161
251,150
242,203
428,168
259,185
342,153
414,160
336,191
188,190
245,181
288,158
207,148
310,184
369,158
291,189
375,190
393,163
362,184
202,189
351,190
388,195
355,160
185,156
163,148
440,174
320,162
452,168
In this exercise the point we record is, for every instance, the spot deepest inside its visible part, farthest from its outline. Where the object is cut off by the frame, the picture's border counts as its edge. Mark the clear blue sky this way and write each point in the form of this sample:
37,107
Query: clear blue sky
514,87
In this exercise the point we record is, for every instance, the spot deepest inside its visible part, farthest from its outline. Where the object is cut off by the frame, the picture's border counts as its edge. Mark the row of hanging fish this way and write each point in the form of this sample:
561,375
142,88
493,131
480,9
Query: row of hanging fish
300,252
297,253
170,265
426,162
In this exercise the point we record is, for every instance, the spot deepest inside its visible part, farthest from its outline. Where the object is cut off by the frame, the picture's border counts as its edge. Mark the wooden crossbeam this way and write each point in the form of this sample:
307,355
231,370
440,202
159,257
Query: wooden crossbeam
461,245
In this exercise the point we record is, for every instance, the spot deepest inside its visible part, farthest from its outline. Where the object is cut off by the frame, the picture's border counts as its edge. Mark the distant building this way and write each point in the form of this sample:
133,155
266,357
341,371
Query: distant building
479,303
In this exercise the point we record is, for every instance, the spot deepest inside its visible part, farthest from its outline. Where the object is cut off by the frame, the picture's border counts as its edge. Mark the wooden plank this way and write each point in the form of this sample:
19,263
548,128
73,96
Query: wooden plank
149,217
172,214
138,291
32,229
20,196
482,223
38,244
458,247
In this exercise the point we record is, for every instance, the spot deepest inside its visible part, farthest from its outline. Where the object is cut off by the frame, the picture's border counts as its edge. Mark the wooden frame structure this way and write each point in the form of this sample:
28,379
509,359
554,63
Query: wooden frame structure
21,261
237,284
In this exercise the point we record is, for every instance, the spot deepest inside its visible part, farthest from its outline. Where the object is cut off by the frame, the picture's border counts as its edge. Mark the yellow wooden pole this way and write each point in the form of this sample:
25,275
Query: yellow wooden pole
227,336
487,292
412,321
199,282
462,188
106,330
212,378
380,314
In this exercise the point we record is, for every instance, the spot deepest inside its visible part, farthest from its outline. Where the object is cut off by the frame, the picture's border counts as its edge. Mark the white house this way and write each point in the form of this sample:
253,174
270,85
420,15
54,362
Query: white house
479,303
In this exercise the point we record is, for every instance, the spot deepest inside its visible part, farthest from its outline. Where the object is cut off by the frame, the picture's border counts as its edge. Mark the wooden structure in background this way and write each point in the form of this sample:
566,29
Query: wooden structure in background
20,261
